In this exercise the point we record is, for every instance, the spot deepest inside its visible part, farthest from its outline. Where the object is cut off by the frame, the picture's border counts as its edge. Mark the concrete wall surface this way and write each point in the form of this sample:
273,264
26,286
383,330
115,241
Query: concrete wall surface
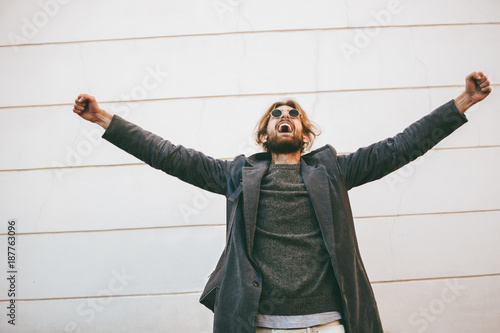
105,243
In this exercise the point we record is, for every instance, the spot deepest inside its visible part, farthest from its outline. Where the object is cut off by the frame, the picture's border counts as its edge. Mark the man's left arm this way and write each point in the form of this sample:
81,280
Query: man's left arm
381,158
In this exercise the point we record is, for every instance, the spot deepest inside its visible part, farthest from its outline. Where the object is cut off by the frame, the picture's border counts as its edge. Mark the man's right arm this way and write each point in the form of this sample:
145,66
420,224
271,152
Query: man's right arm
186,164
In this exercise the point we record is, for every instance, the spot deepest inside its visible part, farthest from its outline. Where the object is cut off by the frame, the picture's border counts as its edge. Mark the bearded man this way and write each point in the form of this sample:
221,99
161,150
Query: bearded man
291,261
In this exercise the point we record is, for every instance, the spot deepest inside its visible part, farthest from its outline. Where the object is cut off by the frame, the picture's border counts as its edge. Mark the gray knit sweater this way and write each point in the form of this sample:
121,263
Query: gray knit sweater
298,278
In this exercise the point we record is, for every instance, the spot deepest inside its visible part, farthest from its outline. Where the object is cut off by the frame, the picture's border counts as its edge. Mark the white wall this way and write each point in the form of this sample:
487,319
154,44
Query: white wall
108,244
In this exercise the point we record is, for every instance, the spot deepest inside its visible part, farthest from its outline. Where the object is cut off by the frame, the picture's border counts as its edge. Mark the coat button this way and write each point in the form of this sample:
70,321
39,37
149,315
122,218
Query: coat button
255,284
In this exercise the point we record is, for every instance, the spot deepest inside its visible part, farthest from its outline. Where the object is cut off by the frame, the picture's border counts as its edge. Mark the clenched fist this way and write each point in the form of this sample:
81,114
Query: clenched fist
477,88
86,107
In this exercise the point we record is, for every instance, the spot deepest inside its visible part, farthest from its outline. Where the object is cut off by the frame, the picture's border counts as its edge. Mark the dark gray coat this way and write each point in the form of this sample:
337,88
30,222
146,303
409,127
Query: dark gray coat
233,290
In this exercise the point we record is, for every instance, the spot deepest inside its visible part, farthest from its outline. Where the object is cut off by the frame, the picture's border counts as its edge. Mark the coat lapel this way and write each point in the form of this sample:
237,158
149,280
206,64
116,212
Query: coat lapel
252,177
317,185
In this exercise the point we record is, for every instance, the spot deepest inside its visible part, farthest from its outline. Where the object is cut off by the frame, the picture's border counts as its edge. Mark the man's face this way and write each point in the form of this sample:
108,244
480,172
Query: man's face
284,134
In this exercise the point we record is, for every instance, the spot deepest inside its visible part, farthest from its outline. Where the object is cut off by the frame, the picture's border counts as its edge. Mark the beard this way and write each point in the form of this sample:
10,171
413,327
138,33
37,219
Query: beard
277,146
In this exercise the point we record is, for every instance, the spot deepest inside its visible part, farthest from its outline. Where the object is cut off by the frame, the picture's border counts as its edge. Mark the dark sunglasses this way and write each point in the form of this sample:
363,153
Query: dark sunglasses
293,113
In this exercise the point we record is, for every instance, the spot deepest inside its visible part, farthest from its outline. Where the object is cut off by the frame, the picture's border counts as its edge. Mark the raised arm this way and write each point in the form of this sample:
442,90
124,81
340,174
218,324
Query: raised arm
381,158
186,164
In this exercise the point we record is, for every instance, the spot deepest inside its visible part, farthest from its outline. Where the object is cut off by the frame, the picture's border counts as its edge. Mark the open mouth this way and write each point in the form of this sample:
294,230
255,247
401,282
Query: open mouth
284,128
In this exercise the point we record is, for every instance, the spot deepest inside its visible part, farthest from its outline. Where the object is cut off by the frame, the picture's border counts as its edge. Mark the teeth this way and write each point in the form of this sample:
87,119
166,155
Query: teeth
284,128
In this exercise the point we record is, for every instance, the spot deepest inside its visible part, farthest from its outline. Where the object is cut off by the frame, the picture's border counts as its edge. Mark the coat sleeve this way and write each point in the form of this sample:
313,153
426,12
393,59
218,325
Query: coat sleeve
186,164
381,158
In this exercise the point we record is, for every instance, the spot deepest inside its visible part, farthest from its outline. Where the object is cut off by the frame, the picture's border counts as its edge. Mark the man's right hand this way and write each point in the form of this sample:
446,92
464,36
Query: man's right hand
86,107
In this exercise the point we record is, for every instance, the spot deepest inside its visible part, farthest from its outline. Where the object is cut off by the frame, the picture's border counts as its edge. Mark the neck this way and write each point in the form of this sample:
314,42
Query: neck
292,158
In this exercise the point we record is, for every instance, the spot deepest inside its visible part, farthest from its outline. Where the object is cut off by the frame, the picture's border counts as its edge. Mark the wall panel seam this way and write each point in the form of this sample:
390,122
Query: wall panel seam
117,229
219,158
255,32
437,278
199,292
248,95
103,296
223,224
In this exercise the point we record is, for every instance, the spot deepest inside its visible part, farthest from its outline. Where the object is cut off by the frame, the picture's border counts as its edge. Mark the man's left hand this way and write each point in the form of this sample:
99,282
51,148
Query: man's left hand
477,86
